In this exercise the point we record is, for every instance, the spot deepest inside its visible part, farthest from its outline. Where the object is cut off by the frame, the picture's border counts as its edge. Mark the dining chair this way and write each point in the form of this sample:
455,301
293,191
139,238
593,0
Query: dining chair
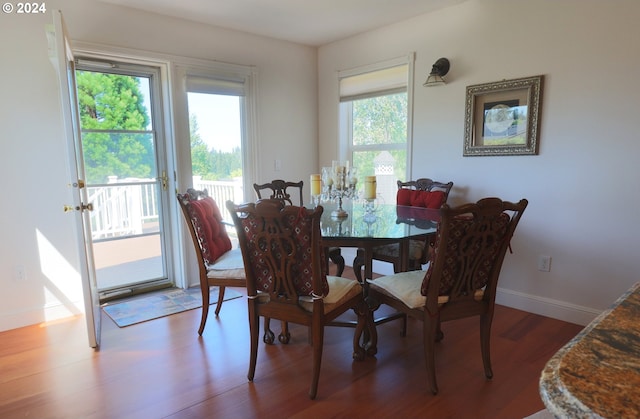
462,277
422,192
280,189
286,276
218,263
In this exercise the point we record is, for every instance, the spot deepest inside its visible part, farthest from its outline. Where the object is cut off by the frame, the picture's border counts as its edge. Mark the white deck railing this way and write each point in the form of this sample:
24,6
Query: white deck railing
221,192
128,207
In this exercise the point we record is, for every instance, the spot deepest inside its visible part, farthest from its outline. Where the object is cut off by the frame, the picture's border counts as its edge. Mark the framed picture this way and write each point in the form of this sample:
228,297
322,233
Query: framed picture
503,118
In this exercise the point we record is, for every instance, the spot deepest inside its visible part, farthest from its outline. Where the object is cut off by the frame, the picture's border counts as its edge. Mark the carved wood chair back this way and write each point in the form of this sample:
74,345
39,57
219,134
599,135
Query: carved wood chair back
211,243
283,258
281,189
462,278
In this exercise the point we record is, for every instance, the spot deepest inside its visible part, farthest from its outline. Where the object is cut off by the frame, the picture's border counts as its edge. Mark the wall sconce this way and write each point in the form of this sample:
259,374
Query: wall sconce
439,69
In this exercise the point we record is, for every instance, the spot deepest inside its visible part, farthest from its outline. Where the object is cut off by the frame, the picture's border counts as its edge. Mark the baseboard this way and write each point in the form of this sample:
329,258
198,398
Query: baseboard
547,307
50,313
542,306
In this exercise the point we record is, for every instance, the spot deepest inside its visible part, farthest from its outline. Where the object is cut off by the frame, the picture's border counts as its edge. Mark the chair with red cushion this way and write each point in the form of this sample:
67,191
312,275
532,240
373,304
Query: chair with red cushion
424,193
462,277
218,263
286,277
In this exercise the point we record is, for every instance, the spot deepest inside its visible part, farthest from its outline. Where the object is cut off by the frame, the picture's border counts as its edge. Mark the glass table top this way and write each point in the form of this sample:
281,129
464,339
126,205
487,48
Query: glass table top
387,221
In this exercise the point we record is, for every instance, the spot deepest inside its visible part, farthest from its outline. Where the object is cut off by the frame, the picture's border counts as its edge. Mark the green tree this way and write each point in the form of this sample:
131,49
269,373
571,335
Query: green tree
200,159
108,103
380,120
226,165
212,164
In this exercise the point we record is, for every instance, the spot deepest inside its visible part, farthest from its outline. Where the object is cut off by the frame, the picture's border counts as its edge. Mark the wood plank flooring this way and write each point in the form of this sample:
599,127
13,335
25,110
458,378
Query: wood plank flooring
162,369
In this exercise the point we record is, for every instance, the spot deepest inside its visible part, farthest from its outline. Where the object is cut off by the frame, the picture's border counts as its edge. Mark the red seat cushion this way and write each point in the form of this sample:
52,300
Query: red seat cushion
213,238
416,198
404,197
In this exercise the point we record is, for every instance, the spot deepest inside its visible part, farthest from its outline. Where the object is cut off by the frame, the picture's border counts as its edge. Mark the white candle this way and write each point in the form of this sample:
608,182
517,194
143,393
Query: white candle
370,187
316,185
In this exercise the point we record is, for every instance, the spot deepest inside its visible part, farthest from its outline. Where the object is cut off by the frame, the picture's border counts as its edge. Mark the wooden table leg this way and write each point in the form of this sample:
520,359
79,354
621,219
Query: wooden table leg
404,255
358,264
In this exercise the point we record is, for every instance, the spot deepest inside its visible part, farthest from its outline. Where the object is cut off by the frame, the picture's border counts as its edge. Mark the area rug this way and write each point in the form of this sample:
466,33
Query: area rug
160,304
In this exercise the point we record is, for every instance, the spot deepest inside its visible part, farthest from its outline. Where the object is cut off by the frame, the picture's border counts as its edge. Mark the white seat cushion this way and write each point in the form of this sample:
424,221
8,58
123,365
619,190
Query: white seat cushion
404,286
340,289
228,266
229,260
226,273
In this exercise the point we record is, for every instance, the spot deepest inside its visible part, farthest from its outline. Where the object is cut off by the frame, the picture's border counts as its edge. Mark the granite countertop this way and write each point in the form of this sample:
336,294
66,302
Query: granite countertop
597,374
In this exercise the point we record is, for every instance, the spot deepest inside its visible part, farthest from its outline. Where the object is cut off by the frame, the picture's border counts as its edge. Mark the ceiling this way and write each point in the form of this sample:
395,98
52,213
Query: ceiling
308,22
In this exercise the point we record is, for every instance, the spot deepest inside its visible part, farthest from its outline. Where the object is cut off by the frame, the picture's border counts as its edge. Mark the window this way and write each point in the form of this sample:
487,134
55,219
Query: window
374,115
216,107
215,118
215,111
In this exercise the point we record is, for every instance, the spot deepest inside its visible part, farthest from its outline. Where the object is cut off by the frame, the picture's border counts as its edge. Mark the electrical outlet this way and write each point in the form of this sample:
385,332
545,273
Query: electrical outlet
544,263
277,165
20,273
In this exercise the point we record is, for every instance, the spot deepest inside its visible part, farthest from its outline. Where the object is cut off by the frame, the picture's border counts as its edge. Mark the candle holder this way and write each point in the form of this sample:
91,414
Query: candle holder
336,227
344,180
370,206
370,219
327,183
316,189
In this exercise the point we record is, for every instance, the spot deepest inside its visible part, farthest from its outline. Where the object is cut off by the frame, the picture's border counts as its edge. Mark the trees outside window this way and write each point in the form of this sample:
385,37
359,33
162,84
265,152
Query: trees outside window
117,138
374,116
379,133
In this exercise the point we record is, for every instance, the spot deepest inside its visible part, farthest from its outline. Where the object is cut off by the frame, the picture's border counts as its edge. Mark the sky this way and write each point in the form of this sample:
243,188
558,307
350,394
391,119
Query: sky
218,119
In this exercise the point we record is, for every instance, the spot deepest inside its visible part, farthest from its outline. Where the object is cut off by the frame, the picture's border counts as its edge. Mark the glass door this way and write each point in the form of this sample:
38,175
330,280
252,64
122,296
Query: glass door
121,128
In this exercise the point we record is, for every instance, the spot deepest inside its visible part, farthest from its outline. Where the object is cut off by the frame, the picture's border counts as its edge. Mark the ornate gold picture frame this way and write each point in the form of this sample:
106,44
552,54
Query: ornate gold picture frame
503,118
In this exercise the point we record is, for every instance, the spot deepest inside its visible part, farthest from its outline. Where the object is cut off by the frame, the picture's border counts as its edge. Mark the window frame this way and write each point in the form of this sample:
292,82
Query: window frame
218,75
346,147
108,61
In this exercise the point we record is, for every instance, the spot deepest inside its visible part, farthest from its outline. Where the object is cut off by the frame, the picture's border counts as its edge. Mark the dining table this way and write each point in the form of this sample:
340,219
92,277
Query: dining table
368,225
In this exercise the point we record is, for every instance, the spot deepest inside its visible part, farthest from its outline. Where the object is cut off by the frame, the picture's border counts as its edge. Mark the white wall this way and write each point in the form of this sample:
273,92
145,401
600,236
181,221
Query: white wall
35,232
583,187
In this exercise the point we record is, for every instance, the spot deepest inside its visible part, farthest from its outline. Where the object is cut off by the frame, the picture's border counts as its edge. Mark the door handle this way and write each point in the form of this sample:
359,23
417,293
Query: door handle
164,180
79,184
82,207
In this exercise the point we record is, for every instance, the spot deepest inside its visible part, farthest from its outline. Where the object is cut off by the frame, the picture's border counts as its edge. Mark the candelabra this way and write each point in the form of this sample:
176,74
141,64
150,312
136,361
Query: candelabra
340,183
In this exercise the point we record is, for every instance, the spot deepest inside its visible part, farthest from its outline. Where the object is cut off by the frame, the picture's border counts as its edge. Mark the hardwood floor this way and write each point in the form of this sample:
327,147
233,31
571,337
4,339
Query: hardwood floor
162,369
